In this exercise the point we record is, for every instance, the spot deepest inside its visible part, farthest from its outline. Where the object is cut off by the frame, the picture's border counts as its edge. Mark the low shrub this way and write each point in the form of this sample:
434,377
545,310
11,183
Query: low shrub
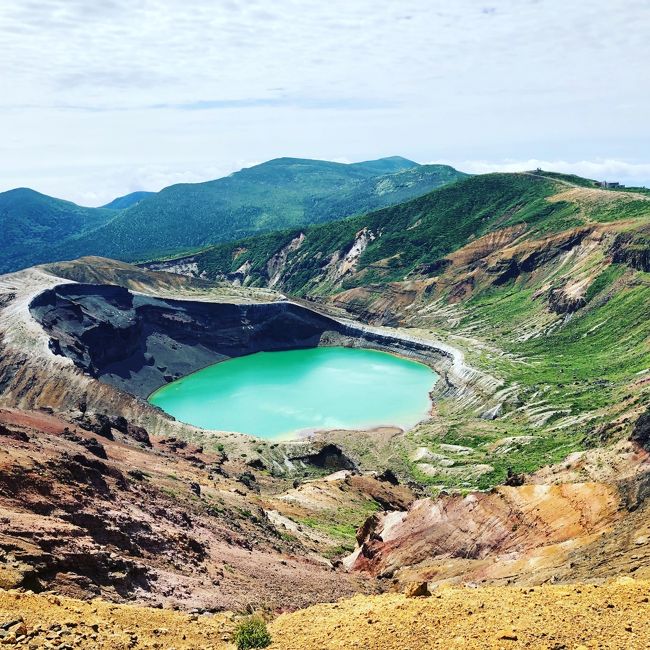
252,633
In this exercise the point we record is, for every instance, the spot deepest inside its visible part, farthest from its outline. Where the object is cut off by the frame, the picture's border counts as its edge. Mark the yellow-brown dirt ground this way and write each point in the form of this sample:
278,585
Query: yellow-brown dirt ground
558,617
567,617
57,622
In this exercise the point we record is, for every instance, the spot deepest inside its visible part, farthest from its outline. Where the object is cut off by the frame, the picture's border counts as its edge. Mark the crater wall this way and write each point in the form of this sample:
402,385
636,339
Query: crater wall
133,343
138,342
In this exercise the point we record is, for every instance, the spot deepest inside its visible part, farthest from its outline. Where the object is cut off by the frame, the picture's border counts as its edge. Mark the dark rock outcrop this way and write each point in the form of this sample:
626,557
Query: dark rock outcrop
513,479
503,271
98,423
138,343
103,426
632,249
330,457
91,444
139,434
641,432
562,302
13,433
388,476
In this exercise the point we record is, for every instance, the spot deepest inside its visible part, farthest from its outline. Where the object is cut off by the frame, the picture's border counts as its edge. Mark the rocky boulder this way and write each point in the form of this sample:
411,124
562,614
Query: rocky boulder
641,433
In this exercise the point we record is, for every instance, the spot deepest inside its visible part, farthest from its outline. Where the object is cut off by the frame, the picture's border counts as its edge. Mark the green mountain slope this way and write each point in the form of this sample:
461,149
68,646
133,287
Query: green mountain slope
415,236
277,194
32,223
126,201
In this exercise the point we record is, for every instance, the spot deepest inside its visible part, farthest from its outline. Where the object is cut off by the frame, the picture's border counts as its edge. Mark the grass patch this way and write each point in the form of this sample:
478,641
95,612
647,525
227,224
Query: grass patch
342,524
604,280
338,551
251,633
335,530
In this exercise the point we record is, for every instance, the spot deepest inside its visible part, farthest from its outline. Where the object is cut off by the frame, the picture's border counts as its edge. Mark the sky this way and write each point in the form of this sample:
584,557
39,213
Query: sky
102,98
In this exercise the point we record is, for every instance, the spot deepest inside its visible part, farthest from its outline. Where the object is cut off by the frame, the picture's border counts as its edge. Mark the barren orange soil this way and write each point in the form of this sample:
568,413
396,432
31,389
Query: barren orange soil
558,617
567,617
56,622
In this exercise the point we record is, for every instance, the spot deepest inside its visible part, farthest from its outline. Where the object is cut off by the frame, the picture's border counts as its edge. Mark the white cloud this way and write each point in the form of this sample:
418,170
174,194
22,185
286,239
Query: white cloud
621,171
125,85
109,182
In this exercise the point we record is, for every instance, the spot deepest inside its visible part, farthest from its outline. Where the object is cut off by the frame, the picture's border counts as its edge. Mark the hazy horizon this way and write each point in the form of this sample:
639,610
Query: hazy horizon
104,100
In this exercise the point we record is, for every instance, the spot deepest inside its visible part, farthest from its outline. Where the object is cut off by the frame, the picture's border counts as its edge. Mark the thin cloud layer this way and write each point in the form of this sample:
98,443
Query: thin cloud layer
636,174
111,88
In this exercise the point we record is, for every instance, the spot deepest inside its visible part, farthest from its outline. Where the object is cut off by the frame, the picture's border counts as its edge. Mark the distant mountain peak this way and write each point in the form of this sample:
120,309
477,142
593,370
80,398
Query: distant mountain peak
126,201
22,191
388,165
400,159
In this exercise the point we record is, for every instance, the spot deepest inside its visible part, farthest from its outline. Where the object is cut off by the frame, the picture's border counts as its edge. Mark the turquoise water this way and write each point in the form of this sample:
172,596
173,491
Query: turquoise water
279,394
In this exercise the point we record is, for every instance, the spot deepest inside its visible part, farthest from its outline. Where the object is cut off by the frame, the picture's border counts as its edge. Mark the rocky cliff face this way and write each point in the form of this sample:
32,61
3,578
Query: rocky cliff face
633,249
492,261
583,519
137,342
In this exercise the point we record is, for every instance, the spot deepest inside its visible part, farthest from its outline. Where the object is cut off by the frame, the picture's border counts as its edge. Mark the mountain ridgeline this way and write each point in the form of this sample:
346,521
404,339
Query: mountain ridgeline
281,193
387,244
411,239
128,200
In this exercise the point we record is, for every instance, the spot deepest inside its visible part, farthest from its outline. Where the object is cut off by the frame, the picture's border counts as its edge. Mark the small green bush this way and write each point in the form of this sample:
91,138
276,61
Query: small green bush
252,633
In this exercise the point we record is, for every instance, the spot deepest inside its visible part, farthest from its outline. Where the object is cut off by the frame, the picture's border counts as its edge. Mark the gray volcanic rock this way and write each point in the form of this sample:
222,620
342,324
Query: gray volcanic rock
632,249
641,433
138,343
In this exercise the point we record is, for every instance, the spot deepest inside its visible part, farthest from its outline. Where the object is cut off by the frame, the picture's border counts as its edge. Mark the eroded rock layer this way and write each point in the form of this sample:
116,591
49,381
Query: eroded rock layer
137,342
548,529
102,514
